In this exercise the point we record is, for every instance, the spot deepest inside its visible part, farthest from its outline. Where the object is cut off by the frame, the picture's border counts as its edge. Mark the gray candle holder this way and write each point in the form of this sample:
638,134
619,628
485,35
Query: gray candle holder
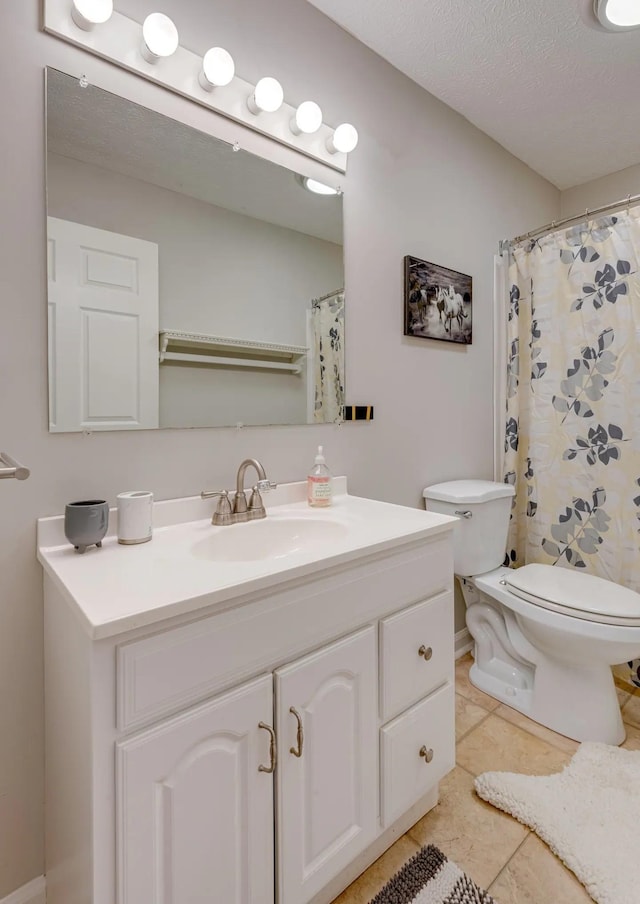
86,523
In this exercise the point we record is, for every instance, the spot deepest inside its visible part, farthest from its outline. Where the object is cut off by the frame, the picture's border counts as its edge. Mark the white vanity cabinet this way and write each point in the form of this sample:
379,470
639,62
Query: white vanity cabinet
262,746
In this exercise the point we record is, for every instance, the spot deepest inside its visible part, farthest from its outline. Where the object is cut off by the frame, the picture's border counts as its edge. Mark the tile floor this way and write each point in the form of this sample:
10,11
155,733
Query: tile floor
498,852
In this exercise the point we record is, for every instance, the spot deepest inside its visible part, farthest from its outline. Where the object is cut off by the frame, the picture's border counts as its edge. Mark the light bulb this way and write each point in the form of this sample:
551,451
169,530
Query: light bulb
159,37
621,14
343,140
87,13
217,70
307,118
267,96
319,188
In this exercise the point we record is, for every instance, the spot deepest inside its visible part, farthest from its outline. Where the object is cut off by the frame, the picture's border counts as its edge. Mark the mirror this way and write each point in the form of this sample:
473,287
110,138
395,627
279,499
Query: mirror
190,284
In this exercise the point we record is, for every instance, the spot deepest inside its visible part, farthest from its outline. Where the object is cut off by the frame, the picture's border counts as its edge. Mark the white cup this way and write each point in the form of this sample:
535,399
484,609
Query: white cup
135,510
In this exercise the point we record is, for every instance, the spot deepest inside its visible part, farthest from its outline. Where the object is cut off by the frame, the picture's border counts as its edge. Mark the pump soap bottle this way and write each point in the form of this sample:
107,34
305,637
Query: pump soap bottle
319,487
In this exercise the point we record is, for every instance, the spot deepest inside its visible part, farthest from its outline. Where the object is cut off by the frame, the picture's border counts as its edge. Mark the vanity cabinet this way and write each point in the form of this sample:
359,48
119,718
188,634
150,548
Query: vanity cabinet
262,748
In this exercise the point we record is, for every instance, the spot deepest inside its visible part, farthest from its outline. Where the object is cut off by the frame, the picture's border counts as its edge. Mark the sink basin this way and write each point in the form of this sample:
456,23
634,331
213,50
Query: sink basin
269,538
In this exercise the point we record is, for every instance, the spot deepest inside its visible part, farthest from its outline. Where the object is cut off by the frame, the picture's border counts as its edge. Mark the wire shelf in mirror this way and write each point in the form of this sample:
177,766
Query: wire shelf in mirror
200,348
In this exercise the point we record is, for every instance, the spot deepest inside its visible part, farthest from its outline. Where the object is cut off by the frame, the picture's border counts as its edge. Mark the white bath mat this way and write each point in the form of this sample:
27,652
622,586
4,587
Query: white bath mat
588,814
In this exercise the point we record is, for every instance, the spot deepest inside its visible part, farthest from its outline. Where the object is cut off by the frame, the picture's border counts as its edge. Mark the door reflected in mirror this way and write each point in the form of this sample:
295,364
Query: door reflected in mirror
189,284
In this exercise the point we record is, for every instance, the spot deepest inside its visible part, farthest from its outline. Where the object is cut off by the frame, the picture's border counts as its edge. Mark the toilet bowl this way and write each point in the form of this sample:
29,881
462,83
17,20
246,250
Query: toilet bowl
545,637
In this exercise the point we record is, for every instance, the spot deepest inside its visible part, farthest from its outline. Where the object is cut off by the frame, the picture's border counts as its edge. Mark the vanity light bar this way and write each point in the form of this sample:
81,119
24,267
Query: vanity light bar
153,51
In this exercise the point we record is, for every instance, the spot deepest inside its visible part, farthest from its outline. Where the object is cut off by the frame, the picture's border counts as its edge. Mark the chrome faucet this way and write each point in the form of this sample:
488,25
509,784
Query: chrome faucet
236,509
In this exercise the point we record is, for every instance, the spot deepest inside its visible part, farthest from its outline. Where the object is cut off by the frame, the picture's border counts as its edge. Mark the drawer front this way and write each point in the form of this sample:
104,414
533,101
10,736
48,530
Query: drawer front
416,653
172,669
417,750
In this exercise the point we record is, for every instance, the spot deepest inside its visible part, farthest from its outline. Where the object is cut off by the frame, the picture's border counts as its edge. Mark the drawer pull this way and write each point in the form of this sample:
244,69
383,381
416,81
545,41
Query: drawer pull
272,749
426,753
300,734
427,652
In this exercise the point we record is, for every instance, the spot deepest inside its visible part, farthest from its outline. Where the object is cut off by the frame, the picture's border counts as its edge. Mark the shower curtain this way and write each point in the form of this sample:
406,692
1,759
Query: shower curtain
328,329
572,441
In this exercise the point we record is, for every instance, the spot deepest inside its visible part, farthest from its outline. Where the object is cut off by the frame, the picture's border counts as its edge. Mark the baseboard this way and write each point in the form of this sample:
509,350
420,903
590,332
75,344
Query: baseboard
463,643
31,893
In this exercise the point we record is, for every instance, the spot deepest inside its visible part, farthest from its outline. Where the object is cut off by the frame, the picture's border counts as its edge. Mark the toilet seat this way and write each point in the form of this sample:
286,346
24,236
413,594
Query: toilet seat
575,594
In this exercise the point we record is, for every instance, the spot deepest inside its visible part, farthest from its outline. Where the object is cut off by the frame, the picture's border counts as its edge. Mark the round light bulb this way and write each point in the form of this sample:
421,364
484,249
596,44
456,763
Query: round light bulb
87,13
159,37
343,140
319,188
307,118
217,70
267,96
619,13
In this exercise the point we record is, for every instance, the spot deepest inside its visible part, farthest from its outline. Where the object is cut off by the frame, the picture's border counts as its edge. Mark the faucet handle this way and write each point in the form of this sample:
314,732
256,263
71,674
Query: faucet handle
223,514
256,506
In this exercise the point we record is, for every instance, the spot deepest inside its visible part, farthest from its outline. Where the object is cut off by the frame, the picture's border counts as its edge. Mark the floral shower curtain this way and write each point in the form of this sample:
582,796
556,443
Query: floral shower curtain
572,446
328,329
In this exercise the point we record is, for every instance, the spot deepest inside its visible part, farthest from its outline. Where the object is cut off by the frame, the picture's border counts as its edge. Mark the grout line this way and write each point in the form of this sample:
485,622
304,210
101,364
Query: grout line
473,728
503,868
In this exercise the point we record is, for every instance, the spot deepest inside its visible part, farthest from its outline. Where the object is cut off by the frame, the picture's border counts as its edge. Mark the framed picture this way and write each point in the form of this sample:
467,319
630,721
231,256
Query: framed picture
437,302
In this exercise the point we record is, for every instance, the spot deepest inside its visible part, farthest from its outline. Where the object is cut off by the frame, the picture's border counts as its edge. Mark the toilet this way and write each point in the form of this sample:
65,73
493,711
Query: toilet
545,637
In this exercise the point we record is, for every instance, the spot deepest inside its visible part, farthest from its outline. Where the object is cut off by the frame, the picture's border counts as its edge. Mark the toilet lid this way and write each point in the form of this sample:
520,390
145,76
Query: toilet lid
576,594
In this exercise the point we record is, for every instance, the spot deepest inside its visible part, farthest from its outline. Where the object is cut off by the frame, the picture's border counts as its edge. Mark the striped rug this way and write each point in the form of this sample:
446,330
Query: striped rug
429,878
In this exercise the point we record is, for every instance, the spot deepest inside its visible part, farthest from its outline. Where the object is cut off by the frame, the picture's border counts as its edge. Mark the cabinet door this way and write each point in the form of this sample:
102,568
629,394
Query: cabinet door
328,795
195,814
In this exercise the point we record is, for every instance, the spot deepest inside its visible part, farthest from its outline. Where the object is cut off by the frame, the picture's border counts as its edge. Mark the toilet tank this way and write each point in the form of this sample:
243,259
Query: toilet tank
480,536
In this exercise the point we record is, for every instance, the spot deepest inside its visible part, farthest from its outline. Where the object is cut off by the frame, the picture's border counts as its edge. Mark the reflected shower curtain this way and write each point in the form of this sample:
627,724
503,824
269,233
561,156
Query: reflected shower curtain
572,444
328,330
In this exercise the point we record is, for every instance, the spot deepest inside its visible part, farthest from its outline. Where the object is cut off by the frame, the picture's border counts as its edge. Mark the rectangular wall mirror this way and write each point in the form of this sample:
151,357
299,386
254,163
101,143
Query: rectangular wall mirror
189,284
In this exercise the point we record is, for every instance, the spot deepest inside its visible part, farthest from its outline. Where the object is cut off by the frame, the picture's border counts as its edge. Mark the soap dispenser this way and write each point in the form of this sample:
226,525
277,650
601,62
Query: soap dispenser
319,486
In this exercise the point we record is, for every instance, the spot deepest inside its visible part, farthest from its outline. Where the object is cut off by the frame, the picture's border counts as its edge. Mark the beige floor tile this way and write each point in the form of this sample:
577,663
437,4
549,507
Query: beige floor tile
535,876
468,715
496,745
464,686
631,711
545,734
472,833
623,696
633,738
376,877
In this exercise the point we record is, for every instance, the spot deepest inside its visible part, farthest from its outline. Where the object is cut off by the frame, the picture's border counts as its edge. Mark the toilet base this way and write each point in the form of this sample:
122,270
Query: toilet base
561,680
589,712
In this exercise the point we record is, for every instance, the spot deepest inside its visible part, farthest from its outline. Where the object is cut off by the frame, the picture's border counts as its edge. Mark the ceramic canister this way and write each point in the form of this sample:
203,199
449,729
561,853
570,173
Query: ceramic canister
86,523
135,510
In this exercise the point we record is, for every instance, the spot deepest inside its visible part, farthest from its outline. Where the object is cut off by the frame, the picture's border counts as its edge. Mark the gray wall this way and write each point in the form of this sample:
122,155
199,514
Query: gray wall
602,191
423,182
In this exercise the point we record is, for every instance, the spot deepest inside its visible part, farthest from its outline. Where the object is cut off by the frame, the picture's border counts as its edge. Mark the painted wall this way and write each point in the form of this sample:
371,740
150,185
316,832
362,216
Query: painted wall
221,273
599,192
423,182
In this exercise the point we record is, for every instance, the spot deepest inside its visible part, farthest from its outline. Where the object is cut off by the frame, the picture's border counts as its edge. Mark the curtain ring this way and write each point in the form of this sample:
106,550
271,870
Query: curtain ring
628,203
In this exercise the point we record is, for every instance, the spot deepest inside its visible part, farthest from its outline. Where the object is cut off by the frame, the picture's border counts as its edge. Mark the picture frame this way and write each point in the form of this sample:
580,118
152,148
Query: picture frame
437,302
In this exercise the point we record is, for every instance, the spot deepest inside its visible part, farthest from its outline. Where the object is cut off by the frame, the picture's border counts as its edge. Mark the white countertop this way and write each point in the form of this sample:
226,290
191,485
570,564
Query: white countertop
118,588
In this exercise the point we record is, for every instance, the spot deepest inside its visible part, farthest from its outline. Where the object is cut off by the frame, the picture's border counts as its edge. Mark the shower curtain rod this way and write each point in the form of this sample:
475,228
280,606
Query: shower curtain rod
328,295
555,224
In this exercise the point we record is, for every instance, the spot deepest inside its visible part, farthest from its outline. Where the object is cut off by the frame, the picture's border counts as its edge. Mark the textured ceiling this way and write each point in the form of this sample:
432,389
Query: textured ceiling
97,127
560,95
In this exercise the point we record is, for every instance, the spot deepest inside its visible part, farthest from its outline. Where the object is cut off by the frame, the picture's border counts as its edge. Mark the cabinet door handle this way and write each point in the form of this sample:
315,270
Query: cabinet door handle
426,753
273,754
427,652
300,733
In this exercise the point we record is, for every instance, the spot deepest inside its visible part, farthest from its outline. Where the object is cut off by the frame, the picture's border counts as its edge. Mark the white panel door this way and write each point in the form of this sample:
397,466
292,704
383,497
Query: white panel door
103,329
194,810
326,710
